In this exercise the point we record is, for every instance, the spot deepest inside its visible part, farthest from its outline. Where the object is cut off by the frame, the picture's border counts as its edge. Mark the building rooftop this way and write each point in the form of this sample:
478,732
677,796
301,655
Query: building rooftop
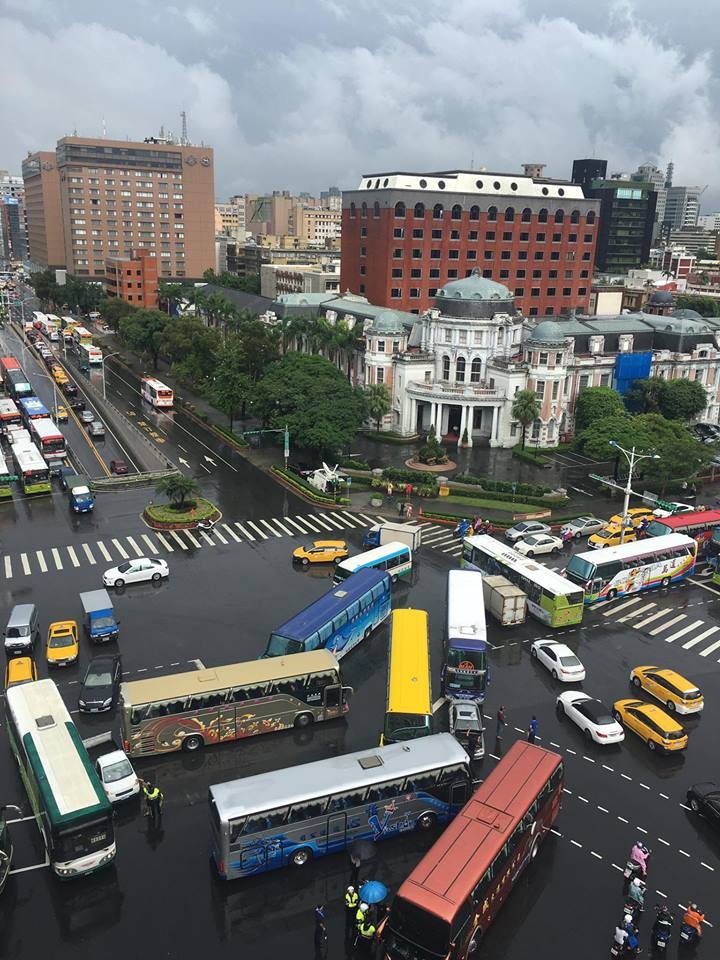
389,322
474,287
549,331
473,182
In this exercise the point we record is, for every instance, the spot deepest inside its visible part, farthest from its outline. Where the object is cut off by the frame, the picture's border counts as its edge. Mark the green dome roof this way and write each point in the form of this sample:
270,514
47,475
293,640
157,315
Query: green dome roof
387,321
474,287
548,331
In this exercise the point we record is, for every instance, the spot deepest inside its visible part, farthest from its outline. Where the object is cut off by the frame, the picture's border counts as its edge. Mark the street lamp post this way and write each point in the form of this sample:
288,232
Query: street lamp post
632,458
45,376
106,357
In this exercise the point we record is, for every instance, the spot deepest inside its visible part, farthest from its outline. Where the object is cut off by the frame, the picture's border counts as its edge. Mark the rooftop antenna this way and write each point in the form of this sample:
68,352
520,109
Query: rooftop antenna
104,128
162,131
184,133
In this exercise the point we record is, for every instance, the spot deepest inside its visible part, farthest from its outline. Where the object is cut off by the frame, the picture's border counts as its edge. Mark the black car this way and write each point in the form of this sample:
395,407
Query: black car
75,403
101,684
69,389
704,798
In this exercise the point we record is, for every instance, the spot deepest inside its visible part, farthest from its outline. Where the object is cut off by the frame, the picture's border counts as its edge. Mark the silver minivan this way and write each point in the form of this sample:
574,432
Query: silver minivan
22,629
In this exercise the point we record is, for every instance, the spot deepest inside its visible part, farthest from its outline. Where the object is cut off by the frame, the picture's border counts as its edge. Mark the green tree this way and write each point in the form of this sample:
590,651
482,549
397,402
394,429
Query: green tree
525,410
258,346
191,348
702,254
113,309
675,399
313,397
170,295
216,308
250,283
705,306
377,402
232,389
178,488
594,403
143,332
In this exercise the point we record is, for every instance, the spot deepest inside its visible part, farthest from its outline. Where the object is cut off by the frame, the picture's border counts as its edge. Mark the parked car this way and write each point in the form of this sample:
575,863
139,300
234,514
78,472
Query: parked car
101,683
658,729
524,529
321,551
582,527
593,717
117,776
119,467
559,660
136,571
704,798
538,543
87,416
62,643
678,694
466,717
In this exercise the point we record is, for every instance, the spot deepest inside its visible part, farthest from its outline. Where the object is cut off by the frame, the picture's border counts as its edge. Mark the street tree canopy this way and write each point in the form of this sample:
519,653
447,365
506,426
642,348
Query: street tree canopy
594,403
311,396
143,331
675,399
525,409
377,402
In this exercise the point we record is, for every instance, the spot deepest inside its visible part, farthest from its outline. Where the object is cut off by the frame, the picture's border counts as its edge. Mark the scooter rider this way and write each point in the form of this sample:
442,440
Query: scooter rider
663,921
694,918
639,854
637,892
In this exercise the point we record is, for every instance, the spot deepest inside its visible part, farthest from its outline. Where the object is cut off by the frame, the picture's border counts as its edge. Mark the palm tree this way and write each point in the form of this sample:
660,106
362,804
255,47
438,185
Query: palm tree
377,402
525,409
177,487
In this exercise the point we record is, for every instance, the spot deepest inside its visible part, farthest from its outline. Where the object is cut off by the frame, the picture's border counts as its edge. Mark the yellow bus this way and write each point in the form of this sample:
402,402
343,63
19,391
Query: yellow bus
408,713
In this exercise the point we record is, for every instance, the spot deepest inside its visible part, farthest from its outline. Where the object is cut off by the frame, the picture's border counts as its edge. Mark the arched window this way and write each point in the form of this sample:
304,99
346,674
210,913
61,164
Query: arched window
456,212
509,214
475,370
399,209
559,216
527,215
419,211
376,210
475,213
446,367
460,370
363,211
353,211
438,211
575,216
542,216
590,218
492,213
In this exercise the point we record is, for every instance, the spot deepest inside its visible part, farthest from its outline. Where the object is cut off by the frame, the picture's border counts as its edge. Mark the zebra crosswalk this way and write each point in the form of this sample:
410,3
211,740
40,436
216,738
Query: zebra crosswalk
441,538
670,624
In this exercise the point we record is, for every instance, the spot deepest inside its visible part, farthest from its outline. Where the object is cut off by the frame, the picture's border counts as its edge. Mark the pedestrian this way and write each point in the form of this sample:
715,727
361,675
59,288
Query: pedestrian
408,489
354,871
319,913
389,488
321,940
400,508
532,730
501,721
153,801
409,510
351,906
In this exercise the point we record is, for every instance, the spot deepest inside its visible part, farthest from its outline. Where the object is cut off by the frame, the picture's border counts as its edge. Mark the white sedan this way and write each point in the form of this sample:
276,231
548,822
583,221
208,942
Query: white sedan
559,659
119,780
538,543
593,717
135,571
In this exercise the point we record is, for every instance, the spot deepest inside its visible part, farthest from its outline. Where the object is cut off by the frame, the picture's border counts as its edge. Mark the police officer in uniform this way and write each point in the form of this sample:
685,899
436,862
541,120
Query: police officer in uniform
365,928
153,801
351,908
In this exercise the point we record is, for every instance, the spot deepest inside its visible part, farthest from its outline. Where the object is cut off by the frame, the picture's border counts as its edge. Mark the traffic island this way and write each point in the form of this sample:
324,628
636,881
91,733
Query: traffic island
184,516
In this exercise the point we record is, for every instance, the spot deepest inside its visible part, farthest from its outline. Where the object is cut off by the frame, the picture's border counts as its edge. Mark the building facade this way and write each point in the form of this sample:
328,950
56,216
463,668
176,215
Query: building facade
406,235
230,218
90,200
279,278
133,279
682,207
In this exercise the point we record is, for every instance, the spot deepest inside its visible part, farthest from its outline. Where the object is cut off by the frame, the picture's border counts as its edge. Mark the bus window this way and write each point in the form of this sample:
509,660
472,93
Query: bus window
255,823
324,633
276,817
236,829
311,643
306,811
386,791
353,610
423,781
340,621
137,715
346,801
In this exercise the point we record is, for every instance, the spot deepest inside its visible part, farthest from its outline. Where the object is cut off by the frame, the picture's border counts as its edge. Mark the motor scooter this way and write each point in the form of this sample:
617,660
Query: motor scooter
661,930
205,524
688,935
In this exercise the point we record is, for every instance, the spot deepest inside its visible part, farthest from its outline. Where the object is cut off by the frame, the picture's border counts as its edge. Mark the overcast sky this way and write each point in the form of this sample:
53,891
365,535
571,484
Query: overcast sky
301,94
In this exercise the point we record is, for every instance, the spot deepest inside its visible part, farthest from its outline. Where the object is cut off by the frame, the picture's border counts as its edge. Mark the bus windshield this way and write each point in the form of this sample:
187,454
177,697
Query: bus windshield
420,927
463,659
579,569
75,842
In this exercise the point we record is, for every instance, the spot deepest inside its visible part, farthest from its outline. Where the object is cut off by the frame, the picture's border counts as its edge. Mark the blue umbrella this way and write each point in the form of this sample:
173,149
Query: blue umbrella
372,891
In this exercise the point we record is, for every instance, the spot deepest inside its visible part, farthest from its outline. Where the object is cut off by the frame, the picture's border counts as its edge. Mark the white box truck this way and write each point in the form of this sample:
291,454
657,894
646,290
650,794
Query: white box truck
391,531
506,602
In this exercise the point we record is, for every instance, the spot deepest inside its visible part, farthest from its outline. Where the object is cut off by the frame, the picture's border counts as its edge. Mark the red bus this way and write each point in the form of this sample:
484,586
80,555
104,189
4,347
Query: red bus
450,899
699,525
7,364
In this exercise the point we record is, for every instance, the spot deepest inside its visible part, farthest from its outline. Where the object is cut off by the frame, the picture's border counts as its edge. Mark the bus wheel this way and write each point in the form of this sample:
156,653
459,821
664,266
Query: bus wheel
474,940
612,594
193,743
426,821
394,578
665,582
303,720
301,857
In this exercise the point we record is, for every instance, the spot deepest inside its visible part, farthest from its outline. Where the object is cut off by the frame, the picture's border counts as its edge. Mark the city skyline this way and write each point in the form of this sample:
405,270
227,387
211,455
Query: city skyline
420,87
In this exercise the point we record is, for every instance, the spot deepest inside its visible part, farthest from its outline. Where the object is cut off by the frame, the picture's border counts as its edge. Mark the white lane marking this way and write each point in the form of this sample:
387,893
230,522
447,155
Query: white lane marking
220,537
367,518
636,613
641,829
443,537
333,521
606,767
325,526
103,550
576,843
660,839
120,549
683,631
556,832
666,626
456,553
710,649
661,894
134,545
622,606
651,618
25,564
339,518
150,545
380,519
244,531
164,542
290,533
296,525
41,561
664,796
707,867
207,538
684,806
700,638
308,523
88,553
438,703
8,568
644,786
602,809
191,538
257,529
231,533
625,776
73,556
622,819
56,557
593,854
351,516
684,853
583,799
272,530
619,869
176,538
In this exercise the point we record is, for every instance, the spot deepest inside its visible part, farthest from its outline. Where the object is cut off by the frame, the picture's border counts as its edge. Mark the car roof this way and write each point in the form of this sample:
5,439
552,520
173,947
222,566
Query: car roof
103,659
329,543
674,676
654,713
65,624
107,758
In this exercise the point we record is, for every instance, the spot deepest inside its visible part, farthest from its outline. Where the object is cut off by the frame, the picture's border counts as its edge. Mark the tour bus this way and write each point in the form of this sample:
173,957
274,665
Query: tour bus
51,327
48,438
17,433
9,414
5,479
156,393
80,335
269,820
700,525
38,319
186,711
69,323
6,365
632,567
408,708
338,620
551,599
33,472
465,670
73,814
18,384
393,557
444,908
87,353
32,408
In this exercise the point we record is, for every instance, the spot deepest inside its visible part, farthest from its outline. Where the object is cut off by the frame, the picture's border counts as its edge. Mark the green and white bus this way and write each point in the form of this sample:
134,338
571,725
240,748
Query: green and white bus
6,479
550,598
70,806
31,468
393,558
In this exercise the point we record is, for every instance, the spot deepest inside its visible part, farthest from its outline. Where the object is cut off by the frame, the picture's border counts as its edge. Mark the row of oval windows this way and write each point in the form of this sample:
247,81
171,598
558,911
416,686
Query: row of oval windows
456,213
478,183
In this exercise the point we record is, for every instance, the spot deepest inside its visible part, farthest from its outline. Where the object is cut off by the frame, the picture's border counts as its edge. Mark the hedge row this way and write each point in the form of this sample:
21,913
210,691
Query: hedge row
352,463
307,489
401,475
503,486
516,498
529,457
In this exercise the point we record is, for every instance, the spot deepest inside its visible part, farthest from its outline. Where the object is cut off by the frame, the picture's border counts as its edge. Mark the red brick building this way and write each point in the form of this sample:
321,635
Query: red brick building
405,235
133,278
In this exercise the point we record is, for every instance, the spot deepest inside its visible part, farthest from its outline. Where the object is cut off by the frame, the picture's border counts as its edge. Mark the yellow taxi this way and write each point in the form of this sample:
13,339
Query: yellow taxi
678,694
20,670
62,643
610,535
58,374
321,551
635,516
659,730
61,414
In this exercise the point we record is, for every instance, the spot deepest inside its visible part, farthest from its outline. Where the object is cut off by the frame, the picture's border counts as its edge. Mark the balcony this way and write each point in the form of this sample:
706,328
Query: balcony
449,392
